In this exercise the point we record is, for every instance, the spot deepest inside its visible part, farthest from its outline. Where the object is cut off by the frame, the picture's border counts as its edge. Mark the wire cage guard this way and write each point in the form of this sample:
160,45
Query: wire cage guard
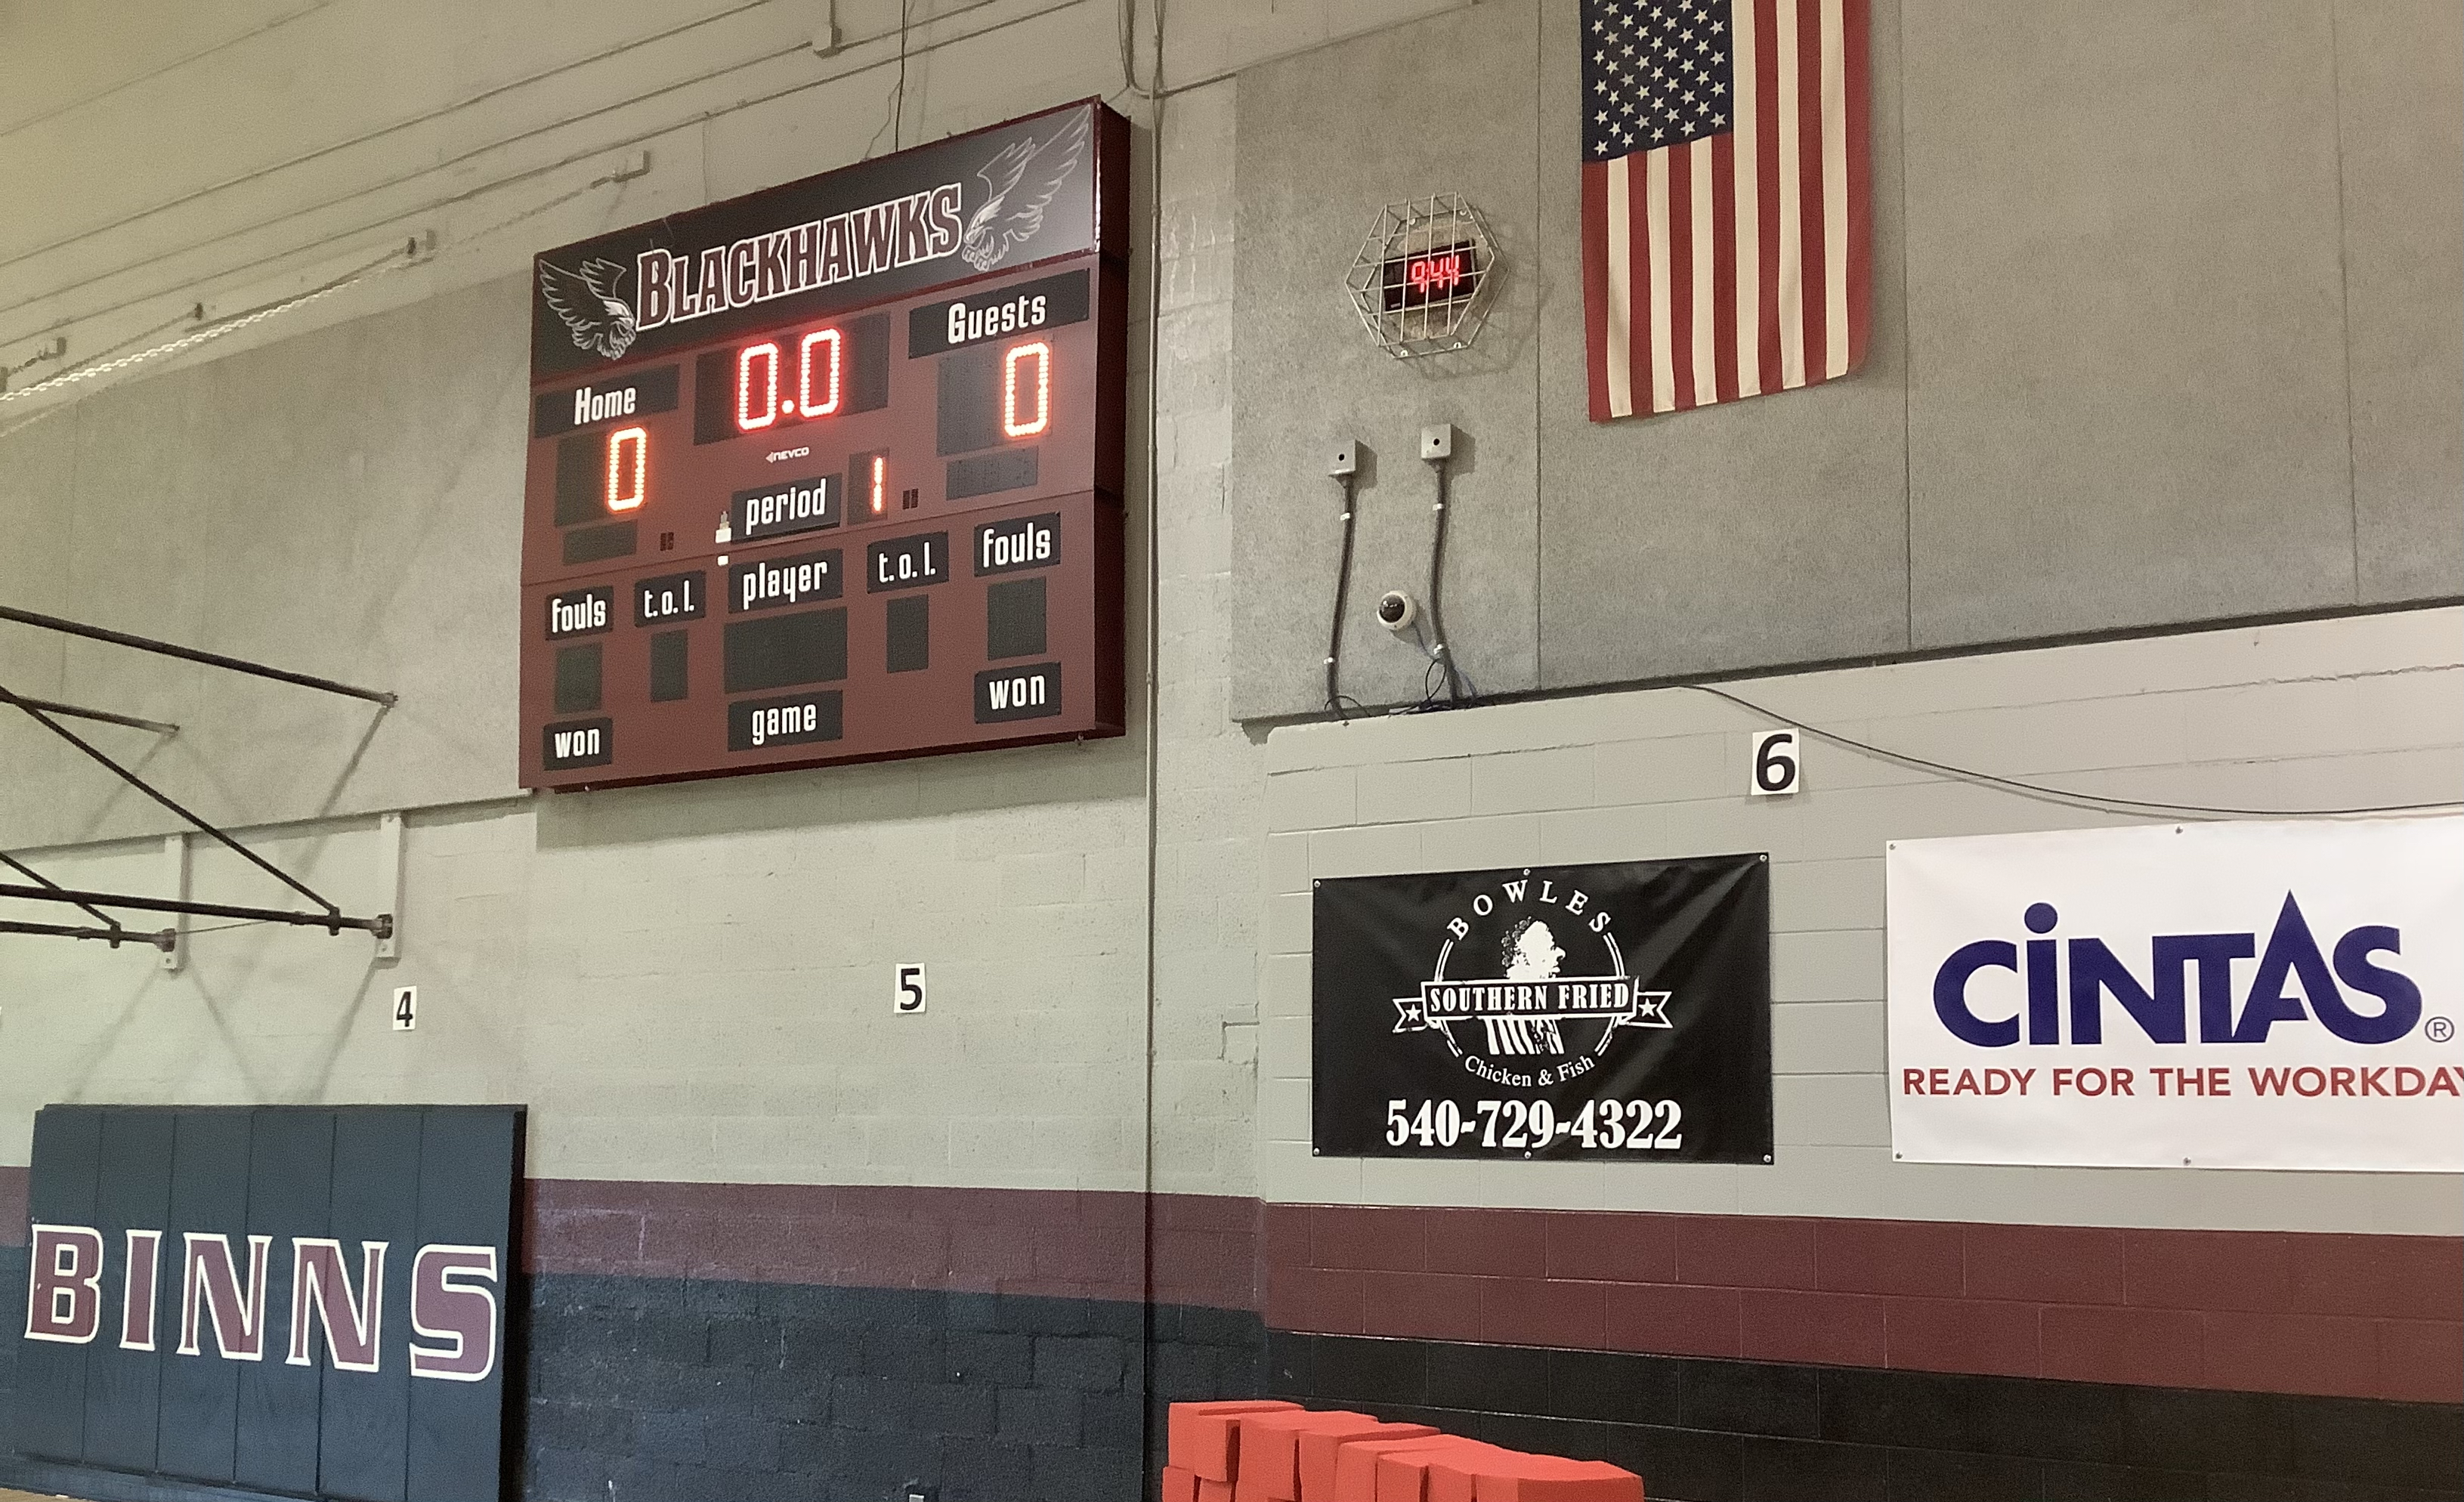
1425,276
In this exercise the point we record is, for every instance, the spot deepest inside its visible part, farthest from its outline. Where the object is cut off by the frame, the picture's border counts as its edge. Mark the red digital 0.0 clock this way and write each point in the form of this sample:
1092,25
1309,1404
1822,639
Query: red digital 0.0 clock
833,471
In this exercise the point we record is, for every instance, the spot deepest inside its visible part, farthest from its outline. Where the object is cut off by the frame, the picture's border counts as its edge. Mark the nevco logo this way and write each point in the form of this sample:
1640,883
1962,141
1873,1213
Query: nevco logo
453,1314
2069,982
1528,974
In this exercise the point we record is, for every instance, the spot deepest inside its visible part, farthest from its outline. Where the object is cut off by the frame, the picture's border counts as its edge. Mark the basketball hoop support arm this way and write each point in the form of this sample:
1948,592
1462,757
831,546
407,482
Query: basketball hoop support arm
333,920
380,925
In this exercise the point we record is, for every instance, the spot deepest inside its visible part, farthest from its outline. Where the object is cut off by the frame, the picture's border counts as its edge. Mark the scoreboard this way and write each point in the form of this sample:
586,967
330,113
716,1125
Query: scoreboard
832,472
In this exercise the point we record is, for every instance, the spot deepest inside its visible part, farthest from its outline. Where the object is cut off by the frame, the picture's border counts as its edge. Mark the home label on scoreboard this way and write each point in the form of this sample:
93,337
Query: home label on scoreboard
915,366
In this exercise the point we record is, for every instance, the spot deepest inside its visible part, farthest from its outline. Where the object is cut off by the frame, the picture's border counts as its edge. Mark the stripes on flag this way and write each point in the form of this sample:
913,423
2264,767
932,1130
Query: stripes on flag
1740,262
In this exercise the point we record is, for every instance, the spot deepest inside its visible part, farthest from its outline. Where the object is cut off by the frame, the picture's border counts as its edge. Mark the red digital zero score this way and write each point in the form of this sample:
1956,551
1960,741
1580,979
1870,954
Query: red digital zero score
833,471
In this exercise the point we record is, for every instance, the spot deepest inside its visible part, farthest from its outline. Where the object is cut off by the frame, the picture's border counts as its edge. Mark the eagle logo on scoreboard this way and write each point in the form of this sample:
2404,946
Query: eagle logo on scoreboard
1510,1003
600,321
1001,226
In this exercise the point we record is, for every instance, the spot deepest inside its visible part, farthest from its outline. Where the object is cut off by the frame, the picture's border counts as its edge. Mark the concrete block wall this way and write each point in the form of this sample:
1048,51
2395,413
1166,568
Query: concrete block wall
2358,712
618,958
2135,360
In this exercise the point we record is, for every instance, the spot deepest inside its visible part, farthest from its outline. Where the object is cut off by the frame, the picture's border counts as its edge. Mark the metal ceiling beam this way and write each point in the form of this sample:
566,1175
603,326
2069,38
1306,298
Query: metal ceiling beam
211,659
163,940
152,791
380,925
78,711
41,880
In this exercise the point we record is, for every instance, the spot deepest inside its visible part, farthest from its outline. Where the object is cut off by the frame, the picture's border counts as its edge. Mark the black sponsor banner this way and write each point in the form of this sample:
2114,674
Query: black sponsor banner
295,1300
1008,196
1617,1012
997,313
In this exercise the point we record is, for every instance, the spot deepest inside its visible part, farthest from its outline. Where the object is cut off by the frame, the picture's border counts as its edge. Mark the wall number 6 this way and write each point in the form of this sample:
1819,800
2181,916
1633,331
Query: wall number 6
1776,764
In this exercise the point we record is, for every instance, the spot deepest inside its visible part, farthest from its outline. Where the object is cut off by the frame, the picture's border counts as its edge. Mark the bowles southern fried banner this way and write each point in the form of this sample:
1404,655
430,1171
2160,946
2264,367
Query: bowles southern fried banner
1575,1011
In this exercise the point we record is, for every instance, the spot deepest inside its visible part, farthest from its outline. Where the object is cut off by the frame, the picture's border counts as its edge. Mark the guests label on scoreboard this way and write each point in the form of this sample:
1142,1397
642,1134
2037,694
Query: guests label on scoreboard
1022,542
1576,1011
939,327
804,505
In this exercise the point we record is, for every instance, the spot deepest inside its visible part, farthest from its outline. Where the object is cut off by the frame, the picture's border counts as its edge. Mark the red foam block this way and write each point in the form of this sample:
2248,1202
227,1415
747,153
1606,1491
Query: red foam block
1551,1478
1320,1446
1181,1485
1355,1465
1270,1451
1202,1438
1404,1474
1214,1490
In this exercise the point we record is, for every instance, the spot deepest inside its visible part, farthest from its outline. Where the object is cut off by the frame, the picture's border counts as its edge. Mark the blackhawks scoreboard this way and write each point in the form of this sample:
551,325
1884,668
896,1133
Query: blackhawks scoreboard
832,472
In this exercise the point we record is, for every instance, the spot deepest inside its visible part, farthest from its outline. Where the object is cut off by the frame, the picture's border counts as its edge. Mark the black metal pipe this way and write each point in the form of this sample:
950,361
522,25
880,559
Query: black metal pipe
214,660
41,880
158,726
160,797
165,940
380,925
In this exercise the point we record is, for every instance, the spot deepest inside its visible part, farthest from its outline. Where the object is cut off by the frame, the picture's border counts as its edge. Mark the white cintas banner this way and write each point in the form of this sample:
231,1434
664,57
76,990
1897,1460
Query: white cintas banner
2242,995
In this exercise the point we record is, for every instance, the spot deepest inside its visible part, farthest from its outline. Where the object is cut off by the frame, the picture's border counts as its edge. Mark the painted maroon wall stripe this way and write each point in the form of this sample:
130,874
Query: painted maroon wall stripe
1072,1244
2354,1316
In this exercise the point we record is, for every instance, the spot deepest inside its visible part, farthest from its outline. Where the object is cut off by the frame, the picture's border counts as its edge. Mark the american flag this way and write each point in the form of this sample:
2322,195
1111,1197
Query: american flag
1727,199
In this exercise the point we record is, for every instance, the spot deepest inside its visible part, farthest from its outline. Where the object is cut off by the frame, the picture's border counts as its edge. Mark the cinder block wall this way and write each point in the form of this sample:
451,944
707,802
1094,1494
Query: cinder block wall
1837,1323
769,1219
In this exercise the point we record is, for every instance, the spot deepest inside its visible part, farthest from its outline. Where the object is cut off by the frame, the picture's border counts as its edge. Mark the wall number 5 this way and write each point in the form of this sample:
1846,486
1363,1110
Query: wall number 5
1776,764
907,991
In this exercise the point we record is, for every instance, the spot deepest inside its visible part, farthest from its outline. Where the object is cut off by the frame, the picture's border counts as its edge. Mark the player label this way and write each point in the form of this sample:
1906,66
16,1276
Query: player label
1019,542
1027,693
755,725
768,583
905,562
806,506
581,613
670,597
577,742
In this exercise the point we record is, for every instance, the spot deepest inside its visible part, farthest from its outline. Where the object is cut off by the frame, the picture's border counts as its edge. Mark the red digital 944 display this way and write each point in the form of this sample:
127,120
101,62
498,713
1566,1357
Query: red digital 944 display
833,471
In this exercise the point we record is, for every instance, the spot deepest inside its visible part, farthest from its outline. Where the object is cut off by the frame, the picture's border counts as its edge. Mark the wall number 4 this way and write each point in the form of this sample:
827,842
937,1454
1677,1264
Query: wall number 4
907,989
406,1007
1778,765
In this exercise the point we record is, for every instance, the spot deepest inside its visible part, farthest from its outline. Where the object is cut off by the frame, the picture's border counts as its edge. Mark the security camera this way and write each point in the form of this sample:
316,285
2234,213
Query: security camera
1396,611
